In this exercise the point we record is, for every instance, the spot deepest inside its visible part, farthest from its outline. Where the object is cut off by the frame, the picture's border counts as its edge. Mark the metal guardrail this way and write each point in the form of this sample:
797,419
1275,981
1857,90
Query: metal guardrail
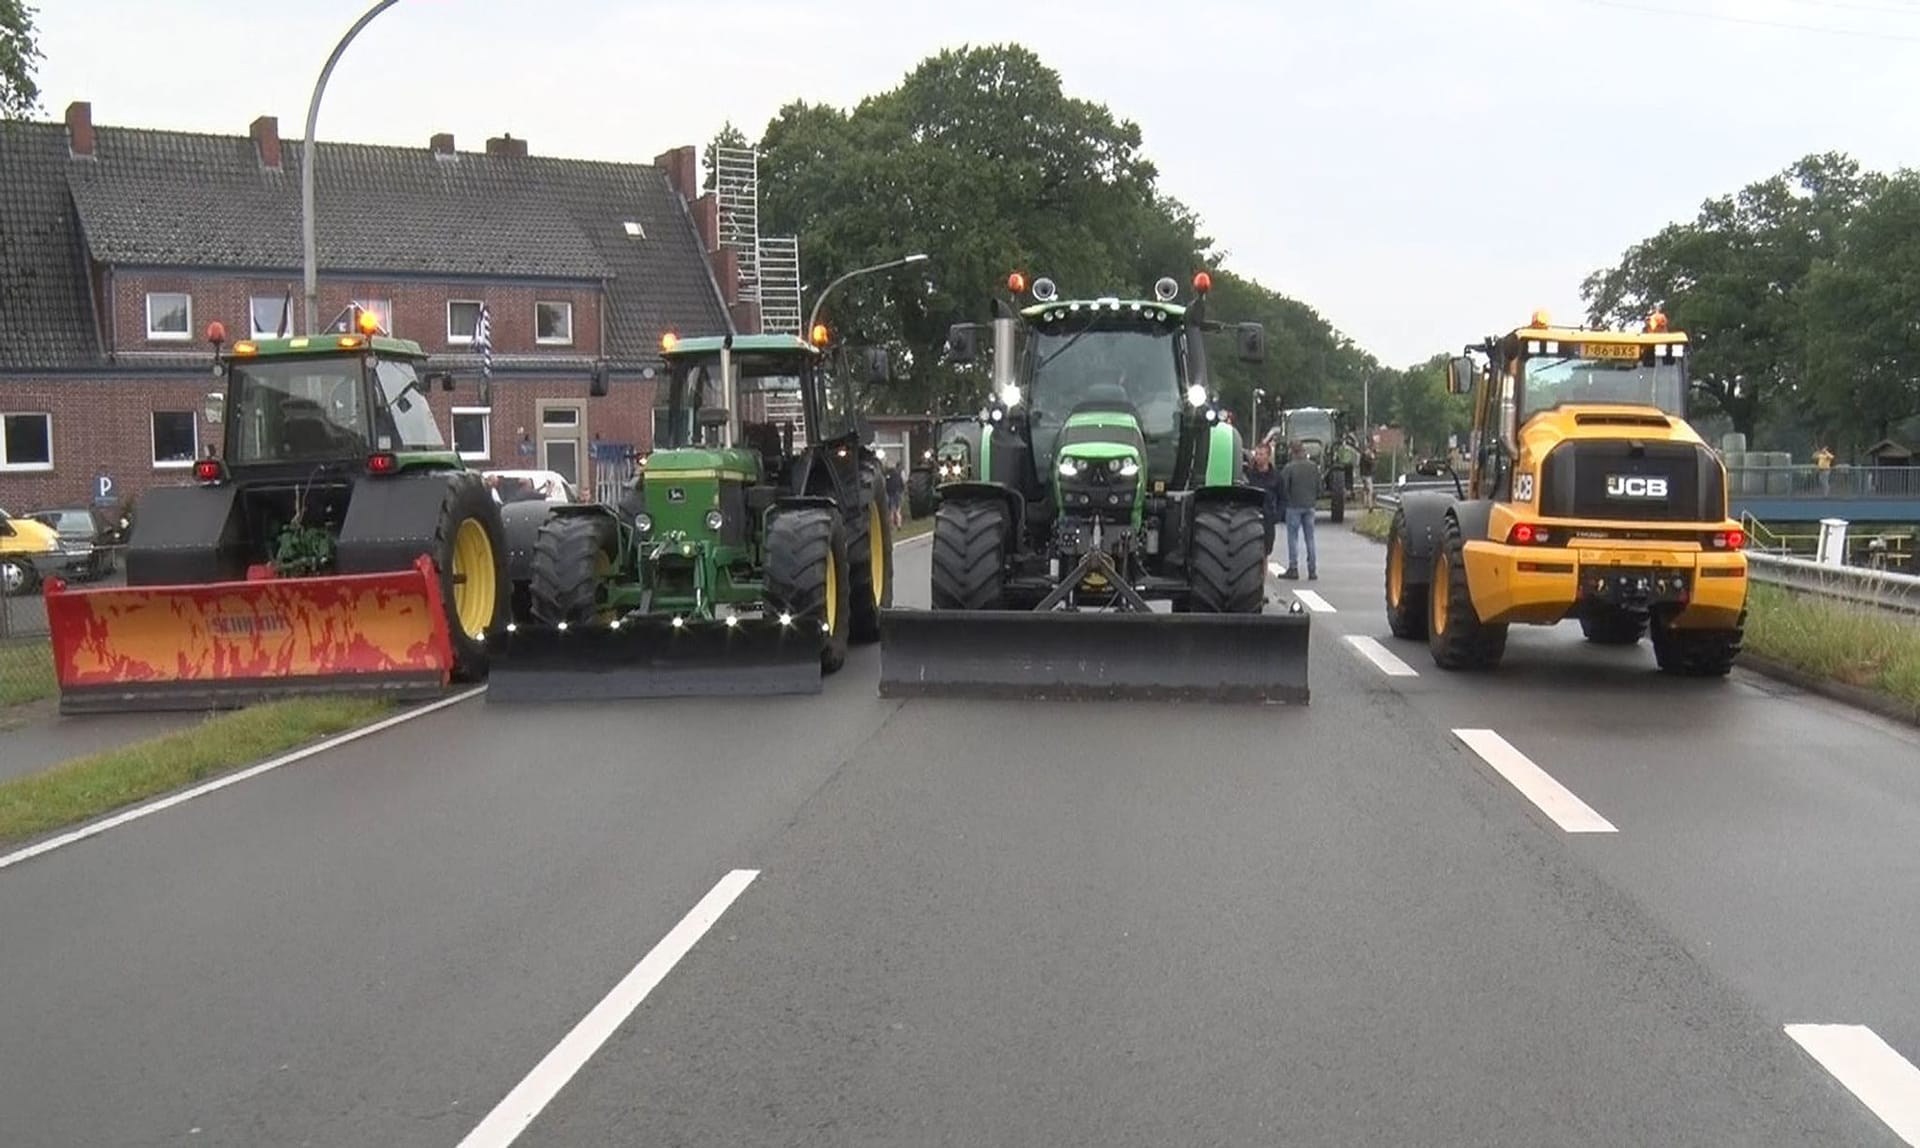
1810,482
1387,497
1881,589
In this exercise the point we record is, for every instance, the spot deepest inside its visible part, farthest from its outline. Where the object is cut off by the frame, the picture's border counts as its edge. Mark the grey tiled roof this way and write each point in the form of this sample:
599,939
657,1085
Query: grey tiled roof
190,200
46,314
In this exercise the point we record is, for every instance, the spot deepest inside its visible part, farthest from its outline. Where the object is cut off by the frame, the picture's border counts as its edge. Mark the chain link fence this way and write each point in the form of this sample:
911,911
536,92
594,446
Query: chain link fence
26,657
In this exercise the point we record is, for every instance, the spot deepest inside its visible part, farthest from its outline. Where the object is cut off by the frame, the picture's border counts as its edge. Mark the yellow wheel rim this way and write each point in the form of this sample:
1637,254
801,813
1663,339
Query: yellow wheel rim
1442,592
876,552
474,589
833,594
1396,574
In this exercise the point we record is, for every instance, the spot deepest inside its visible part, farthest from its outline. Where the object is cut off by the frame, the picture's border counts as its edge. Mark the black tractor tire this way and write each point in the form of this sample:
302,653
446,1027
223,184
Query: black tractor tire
1457,637
1228,564
1698,653
469,501
920,493
808,576
872,590
1614,628
969,555
573,560
1406,603
1339,501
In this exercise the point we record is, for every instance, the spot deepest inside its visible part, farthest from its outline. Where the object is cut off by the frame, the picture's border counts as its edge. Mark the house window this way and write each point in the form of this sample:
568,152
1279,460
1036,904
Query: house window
553,323
169,315
381,309
175,439
26,442
269,313
463,319
473,432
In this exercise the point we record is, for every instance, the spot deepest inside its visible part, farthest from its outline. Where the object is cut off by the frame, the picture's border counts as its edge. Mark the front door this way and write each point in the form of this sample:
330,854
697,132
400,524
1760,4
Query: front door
563,441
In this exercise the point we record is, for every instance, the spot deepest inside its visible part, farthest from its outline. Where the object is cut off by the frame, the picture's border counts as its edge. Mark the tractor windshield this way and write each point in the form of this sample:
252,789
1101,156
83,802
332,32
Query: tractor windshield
1072,363
403,420
1549,380
766,390
1307,426
297,410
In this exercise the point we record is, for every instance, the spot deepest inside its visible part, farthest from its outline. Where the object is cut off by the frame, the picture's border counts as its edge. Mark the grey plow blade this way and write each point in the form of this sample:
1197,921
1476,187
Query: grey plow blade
651,658
1058,655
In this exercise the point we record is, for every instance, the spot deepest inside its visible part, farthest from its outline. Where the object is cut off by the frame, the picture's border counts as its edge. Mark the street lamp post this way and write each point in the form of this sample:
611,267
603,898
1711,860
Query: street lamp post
814,316
1254,425
306,163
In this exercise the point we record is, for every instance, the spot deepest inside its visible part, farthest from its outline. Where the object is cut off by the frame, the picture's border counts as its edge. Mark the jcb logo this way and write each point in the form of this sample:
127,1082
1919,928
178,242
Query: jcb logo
1635,486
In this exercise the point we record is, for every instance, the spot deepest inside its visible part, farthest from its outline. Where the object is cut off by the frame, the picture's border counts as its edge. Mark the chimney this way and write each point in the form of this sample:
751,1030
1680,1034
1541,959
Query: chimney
266,140
706,220
506,145
682,166
442,143
80,129
725,262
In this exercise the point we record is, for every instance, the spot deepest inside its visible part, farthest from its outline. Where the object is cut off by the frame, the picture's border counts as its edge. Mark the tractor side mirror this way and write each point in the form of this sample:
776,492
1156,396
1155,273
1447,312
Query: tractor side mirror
879,366
444,378
1460,375
216,408
1251,341
963,343
599,385
712,418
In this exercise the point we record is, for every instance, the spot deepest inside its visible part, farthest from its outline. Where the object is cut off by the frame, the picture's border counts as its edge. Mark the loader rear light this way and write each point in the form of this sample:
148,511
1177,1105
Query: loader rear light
1729,539
1527,534
209,470
383,462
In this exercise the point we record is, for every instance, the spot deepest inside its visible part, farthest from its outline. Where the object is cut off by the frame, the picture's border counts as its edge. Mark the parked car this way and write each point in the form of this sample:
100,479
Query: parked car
29,551
91,539
530,486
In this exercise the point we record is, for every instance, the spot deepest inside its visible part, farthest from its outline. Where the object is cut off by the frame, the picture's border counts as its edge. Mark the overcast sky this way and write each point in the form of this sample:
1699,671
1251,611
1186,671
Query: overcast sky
1421,173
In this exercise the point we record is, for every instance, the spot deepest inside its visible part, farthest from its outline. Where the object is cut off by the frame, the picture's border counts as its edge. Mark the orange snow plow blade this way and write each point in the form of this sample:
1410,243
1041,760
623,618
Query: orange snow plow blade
234,643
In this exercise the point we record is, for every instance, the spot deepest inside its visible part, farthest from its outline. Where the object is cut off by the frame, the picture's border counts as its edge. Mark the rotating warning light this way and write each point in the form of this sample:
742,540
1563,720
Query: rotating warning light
216,332
669,341
819,334
1540,318
1657,321
1202,283
1017,283
368,322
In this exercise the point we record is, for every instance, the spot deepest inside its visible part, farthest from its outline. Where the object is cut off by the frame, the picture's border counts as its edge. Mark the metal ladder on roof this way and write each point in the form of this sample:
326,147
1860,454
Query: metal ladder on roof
780,285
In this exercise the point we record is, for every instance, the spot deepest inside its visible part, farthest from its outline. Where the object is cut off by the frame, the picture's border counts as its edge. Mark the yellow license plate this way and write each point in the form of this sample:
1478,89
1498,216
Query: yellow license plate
1611,351
1629,558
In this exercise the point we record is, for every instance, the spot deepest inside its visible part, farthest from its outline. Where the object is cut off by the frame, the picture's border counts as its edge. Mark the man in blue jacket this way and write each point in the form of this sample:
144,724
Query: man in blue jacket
1266,477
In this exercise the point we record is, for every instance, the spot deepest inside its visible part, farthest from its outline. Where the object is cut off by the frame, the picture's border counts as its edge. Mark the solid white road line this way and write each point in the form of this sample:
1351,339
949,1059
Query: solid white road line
1314,602
1885,1081
915,540
235,778
1555,800
1382,657
511,1116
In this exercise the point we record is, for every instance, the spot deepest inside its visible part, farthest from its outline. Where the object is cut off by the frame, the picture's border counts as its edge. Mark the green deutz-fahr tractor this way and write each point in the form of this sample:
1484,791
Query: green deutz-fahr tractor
945,456
735,564
1109,476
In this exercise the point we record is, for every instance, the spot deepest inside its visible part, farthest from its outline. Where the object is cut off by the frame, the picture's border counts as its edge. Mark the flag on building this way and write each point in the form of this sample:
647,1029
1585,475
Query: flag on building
286,315
483,341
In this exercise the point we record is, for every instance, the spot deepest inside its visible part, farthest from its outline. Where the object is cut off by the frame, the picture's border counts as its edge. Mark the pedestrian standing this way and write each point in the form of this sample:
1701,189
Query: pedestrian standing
1265,477
1366,475
896,486
1300,487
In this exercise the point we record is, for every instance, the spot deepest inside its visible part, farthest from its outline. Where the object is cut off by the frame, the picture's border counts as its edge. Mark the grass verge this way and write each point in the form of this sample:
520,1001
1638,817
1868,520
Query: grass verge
86,787
1374,524
913,528
26,673
1838,641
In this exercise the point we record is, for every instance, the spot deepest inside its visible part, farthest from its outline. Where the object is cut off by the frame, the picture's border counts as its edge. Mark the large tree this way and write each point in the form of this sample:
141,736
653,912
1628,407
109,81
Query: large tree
19,95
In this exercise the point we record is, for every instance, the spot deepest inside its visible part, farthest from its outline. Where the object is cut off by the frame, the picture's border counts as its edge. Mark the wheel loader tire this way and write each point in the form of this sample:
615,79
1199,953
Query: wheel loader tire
969,555
1339,502
1457,637
1229,560
1698,653
870,548
1615,628
808,576
920,493
572,559
1406,603
470,553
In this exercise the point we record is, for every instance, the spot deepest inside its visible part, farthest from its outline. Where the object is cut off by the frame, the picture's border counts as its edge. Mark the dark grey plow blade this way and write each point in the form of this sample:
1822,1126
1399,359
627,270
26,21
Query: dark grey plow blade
1062,655
652,658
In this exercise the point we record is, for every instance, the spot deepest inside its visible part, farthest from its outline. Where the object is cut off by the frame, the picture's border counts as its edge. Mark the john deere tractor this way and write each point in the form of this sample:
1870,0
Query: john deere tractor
1588,496
945,455
736,563
1108,478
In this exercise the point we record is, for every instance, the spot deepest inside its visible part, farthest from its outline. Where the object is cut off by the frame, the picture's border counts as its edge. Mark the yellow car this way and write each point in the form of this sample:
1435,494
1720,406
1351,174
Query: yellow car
29,550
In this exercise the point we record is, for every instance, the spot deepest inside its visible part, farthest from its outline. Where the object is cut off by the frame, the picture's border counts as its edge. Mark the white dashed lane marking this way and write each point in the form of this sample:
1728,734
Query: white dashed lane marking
1886,1082
1381,657
1314,602
1535,784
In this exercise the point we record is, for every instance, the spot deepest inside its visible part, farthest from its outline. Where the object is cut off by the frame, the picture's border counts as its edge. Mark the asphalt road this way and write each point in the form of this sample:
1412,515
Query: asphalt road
1006,923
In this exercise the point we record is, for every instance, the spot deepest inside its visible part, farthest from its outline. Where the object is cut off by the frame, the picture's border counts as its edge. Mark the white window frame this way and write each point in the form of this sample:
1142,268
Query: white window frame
7,466
462,338
293,322
486,431
550,341
154,336
153,441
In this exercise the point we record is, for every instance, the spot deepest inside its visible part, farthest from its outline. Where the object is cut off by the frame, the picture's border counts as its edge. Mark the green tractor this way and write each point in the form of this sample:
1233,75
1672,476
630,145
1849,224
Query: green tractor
735,563
946,454
1324,432
1109,478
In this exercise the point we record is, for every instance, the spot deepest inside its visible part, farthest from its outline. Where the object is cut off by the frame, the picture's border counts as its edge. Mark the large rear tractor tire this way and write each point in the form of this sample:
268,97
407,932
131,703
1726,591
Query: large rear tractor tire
1229,560
1614,628
920,493
871,549
808,576
1406,601
1457,637
969,555
1697,653
573,560
470,554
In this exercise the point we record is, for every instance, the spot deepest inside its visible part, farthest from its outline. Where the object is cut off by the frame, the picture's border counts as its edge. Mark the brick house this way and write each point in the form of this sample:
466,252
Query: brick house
119,245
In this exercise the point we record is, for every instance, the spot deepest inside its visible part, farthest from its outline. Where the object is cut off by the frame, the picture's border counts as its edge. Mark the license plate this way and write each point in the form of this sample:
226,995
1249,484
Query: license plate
1627,558
1611,350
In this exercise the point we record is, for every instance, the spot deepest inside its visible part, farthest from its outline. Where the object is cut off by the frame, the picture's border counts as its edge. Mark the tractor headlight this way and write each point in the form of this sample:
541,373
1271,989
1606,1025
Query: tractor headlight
1069,467
1129,468
1009,396
715,520
1196,395
643,523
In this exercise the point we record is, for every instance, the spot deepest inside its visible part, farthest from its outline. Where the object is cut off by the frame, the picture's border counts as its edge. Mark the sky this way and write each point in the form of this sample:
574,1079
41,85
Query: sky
1422,174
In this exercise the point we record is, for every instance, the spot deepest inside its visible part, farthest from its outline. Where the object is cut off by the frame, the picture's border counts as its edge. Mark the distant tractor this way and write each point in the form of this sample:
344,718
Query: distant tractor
736,563
1323,432
335,544
945,455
